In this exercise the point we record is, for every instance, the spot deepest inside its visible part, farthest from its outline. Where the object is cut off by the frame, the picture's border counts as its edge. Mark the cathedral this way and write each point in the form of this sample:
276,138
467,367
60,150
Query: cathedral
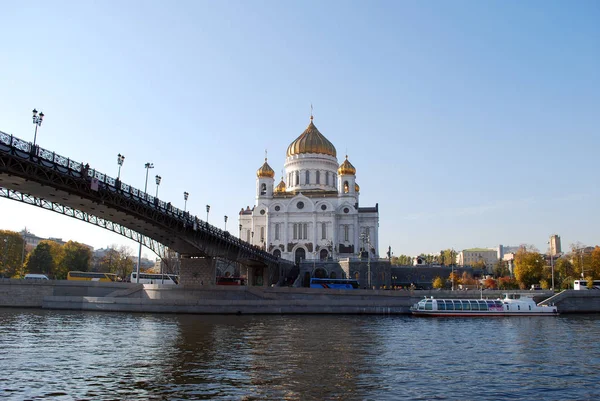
314,211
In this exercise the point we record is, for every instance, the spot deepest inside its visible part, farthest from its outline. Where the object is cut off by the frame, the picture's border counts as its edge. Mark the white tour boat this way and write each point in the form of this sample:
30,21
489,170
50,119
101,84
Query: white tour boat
511,305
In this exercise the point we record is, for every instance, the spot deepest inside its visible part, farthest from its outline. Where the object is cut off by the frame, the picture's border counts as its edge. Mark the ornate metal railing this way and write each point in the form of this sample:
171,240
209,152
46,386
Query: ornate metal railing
26,149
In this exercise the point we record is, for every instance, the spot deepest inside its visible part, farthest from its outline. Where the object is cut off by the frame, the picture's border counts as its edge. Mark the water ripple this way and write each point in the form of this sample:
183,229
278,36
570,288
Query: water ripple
66,355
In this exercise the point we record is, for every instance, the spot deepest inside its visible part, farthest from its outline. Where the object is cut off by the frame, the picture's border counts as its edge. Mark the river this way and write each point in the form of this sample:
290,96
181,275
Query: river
69,355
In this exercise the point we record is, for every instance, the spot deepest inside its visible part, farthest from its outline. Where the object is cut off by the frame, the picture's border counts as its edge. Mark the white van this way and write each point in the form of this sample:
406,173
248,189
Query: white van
36,277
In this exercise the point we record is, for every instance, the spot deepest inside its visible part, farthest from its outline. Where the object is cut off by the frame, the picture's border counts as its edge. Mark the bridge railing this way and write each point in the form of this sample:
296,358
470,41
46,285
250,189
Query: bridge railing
99,180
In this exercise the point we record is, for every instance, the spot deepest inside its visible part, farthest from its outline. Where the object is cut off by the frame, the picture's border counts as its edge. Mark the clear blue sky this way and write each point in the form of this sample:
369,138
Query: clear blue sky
471,123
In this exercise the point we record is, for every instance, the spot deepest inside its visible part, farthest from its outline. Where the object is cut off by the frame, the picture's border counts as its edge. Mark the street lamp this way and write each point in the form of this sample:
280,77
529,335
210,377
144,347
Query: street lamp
551,262
185,198
365,238
37,121
120,160
147,166
157,178
207,210
240,232
453,259
225,223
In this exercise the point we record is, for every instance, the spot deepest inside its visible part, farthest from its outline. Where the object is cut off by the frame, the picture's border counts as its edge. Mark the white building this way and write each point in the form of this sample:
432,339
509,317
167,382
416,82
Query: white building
469,257
314,212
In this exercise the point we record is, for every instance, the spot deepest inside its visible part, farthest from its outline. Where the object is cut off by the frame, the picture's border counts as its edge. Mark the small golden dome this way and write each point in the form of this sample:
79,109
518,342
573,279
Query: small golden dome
311,141
346,168
280,187
356,187
265,171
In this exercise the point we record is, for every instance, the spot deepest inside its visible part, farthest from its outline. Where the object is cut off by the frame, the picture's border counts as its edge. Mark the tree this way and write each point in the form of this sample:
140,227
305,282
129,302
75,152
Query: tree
117,260
529,267
490,283
507,283
480,264
74,257
44,258
564,272
501,269
11,254
402,260
438,282
453,278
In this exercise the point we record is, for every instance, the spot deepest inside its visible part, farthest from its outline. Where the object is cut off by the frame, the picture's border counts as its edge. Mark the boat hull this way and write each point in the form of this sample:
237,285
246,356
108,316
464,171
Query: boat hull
480,314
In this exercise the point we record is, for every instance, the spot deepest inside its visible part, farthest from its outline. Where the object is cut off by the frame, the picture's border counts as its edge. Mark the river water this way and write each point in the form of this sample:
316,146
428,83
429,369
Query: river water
69,355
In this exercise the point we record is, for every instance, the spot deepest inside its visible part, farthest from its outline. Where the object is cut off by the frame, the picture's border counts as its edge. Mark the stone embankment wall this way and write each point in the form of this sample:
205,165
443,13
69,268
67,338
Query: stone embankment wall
130,297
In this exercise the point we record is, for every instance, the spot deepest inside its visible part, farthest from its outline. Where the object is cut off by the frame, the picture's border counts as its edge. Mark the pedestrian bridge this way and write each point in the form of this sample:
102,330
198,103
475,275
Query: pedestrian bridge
40,177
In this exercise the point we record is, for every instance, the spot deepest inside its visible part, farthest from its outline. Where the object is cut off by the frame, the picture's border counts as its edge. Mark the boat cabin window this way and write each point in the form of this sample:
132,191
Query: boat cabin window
457,305
466,305
429,304
441,304
474,305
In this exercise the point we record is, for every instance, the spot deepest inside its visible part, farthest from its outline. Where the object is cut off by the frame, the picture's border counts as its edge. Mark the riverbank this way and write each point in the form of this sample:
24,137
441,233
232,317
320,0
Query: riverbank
212,299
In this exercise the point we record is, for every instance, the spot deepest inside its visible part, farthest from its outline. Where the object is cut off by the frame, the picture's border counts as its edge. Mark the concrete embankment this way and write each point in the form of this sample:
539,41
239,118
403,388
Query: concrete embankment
128,297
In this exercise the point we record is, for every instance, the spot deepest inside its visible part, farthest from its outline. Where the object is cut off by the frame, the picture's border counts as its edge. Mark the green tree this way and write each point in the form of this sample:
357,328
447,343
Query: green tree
480,264
74,257
11,254
44,258
501,269
564,273
402,260
438,282
529,267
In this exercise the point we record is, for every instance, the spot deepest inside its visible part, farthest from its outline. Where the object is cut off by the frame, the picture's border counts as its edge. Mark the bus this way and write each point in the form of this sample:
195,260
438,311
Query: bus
582,285
338,283
230,280
91,276
152,278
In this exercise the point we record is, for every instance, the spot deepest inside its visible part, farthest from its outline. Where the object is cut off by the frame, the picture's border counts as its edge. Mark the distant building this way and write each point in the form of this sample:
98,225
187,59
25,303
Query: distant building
468,257
555,245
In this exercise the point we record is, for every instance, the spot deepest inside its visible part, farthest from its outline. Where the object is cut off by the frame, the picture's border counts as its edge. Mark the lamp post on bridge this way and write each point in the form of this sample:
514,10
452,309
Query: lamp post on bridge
120,160
185,198
240,235
225,223
37,121
158,178
147,166
207,210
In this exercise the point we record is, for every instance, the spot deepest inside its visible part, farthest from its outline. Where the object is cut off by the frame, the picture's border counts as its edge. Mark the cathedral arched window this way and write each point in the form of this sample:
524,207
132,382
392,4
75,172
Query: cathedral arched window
346,232
323,230
307,177
327,178
346,187
305,231
262,234
263,189
297,178
318,177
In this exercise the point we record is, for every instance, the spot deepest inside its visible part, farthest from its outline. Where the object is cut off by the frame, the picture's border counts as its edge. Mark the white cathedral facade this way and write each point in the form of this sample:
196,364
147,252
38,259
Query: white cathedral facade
314,213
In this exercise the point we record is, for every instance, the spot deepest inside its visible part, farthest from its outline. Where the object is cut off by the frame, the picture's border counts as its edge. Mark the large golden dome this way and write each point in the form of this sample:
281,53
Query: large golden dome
265,171
346,168
311,141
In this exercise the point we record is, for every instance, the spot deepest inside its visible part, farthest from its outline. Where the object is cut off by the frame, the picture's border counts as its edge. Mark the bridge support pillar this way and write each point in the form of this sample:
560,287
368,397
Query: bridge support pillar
197,271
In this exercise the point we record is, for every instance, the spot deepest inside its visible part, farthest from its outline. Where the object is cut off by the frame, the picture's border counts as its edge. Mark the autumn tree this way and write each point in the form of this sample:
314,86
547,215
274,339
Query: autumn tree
11,254
453,279
529,267
490,283
438,282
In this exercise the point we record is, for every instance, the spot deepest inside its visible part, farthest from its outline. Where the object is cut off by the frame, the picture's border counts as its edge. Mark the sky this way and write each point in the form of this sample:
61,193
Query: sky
471,124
